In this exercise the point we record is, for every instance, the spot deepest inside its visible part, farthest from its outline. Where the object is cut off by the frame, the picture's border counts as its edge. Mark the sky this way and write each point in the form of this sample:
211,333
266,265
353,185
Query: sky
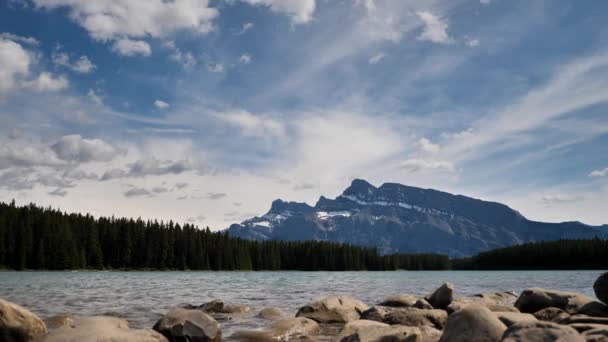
206,111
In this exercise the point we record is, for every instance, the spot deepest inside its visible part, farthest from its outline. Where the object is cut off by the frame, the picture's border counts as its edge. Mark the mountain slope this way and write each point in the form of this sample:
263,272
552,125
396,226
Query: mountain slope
399,218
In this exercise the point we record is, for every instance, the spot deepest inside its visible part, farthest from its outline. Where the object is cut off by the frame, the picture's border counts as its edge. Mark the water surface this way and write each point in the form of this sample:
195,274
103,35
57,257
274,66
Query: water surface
142,297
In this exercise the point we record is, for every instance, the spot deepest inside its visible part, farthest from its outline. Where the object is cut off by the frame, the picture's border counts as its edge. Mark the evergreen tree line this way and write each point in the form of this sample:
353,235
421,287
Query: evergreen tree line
37,238
553,255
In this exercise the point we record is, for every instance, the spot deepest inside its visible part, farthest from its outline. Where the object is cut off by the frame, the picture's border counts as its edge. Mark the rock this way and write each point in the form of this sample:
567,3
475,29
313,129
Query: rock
294,328
585,319
423,304
594,309
600,287
414,317
596,335
535,299
334,309
552,315
474,323
19,324
399,301
541,331
272,313
582,327
58,321
102,328
376,313
442,297
188,325
372,331
214,306
460,303
510,318
504,297
235,309
430,334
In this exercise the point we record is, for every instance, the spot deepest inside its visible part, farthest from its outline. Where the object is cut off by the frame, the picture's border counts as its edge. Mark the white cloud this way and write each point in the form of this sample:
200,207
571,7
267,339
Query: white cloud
20,39
435,28
151,167
245,59
246,27
128,47
84,65
215,67
14,64
471,42
185,59
161,104
458,135
599,173
94,97
559,198
426,146
117,19
46,82
252,125
418,165
23,156
300,11
78,149
377,58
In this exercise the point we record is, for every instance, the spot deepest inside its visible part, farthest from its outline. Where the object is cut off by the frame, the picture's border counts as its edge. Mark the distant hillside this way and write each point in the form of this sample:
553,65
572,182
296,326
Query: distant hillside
402,219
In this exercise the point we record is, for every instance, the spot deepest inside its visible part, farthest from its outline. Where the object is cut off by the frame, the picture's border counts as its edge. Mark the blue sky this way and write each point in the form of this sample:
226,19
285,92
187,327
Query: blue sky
206,111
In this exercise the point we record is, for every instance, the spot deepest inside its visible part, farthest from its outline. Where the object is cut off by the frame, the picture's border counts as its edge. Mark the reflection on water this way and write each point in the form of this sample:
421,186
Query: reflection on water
142,297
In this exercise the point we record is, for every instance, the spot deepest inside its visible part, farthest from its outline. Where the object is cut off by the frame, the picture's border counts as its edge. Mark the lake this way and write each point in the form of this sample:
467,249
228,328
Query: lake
142,297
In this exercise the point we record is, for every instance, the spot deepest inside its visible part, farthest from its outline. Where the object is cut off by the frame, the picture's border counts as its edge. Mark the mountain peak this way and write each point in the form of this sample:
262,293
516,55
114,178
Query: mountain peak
279,206
359,186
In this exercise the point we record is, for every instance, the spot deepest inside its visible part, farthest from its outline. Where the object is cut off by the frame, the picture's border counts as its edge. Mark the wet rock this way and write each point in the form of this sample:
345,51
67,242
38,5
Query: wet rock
585,319
334,309
582,327
214,306
372,331
593,309
510,318
58,321
102,328
474,323
188,325
272,313
535,299
541,331
19,324
235,309
399,301
442,297
414,317
596,335
376,313
294,328
555,315
423,304
601,288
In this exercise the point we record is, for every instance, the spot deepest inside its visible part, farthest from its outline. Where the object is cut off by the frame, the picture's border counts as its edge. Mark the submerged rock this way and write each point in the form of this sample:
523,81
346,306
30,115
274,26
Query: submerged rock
399,301
214,306
534,299
442,297
189,325
102,328
600,287
294,328
19,324
541,331
474,323
272,313
334,309
372,331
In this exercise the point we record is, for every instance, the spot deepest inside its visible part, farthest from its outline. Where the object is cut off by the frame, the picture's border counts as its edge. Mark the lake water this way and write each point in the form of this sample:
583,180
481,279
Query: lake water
142,297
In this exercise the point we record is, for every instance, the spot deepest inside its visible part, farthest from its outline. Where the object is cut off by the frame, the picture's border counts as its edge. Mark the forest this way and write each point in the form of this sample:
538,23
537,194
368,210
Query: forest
36,238
550,255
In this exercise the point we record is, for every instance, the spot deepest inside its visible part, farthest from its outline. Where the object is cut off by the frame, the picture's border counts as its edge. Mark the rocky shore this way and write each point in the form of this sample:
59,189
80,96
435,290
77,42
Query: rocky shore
535,315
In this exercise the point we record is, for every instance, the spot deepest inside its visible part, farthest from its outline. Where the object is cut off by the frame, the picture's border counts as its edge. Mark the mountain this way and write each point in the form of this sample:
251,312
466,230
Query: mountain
405,219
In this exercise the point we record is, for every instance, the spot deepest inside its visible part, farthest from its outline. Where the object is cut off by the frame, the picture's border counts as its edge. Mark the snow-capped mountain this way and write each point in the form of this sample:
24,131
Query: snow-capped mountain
399,218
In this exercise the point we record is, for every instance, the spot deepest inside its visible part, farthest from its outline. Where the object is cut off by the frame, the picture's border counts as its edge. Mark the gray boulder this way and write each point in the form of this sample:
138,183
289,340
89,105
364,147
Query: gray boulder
272,313
555,315
376,313
460,303
372,331
582,327
601,288
542,332
535,299
189,325
334,309
399,301
503,297
19,324
414,317
596,335
510,318
474,323
96,329
442,297
289,329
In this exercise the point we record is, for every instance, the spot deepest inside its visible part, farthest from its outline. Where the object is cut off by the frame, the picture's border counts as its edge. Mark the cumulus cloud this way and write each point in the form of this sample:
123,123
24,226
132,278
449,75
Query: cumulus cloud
471,42
161,104
21,39
137,192
82,65
434,29
458,135
426,146
130,47
300,11
14,64
599,173
27,156
185,59
47,82
245,28
94,97
217,67
75,148
252,125
245,59
419,165
377,58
